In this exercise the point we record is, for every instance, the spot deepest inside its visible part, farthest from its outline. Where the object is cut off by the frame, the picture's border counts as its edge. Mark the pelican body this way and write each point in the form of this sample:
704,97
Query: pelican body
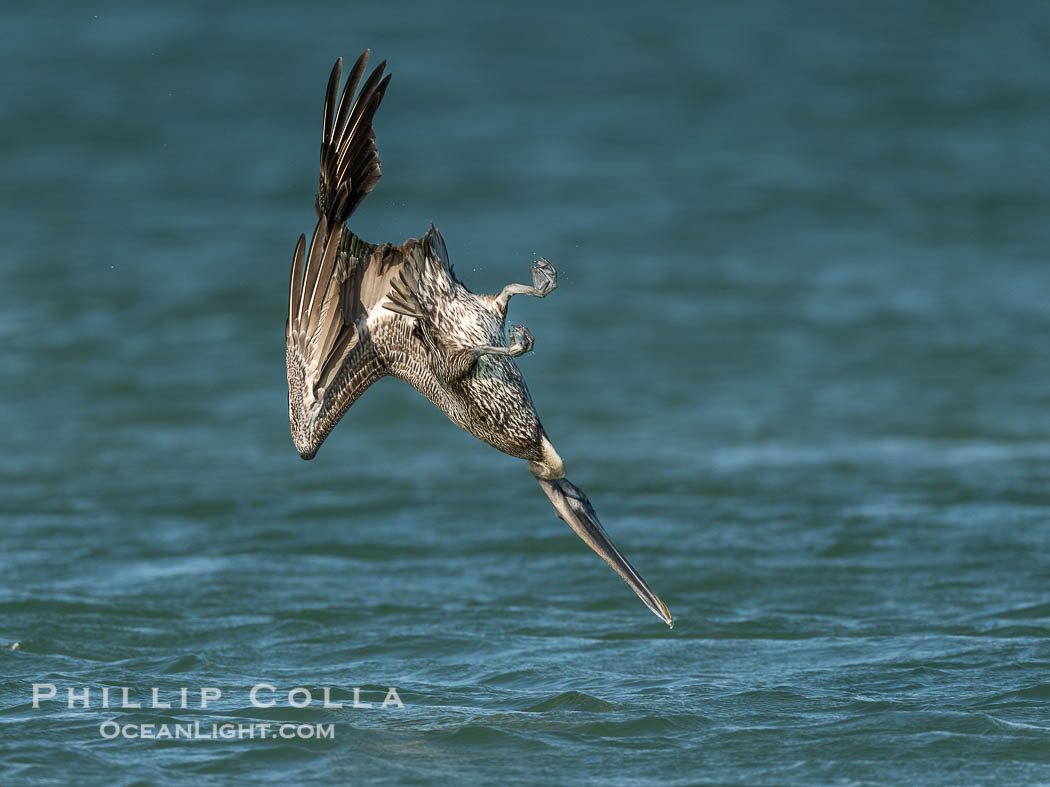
358,312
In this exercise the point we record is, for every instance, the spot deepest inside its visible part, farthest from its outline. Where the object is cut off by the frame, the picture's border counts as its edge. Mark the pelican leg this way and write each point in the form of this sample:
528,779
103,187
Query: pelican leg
521,343
544,282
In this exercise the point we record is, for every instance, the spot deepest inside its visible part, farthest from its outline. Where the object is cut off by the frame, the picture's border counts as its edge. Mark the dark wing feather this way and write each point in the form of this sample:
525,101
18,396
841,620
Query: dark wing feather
349,159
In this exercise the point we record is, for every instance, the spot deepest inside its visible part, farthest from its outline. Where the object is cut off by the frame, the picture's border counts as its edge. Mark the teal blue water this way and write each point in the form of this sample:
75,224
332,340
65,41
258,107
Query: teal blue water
798,359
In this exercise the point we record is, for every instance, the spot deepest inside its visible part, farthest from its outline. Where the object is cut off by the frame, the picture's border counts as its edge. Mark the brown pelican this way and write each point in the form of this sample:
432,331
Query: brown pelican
358,312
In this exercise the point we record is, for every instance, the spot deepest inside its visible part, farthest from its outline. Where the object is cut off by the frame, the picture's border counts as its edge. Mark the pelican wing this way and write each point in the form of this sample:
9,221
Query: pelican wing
335,284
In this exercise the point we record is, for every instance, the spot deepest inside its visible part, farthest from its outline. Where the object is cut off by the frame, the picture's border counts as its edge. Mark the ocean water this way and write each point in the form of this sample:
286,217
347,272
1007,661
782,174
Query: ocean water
798,358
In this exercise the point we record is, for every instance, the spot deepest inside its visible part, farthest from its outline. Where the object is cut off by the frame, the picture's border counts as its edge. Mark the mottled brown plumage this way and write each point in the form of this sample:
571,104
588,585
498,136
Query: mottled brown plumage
358,312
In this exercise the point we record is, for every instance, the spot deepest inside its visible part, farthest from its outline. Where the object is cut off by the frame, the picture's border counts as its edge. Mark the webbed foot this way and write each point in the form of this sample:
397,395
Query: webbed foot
521,341
544,278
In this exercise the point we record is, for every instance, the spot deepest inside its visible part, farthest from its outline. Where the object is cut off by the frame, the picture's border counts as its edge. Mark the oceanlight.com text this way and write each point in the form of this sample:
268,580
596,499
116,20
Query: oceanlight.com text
219,732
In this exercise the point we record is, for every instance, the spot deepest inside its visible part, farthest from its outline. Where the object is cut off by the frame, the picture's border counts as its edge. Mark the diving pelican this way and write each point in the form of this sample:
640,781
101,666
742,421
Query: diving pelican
358,312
